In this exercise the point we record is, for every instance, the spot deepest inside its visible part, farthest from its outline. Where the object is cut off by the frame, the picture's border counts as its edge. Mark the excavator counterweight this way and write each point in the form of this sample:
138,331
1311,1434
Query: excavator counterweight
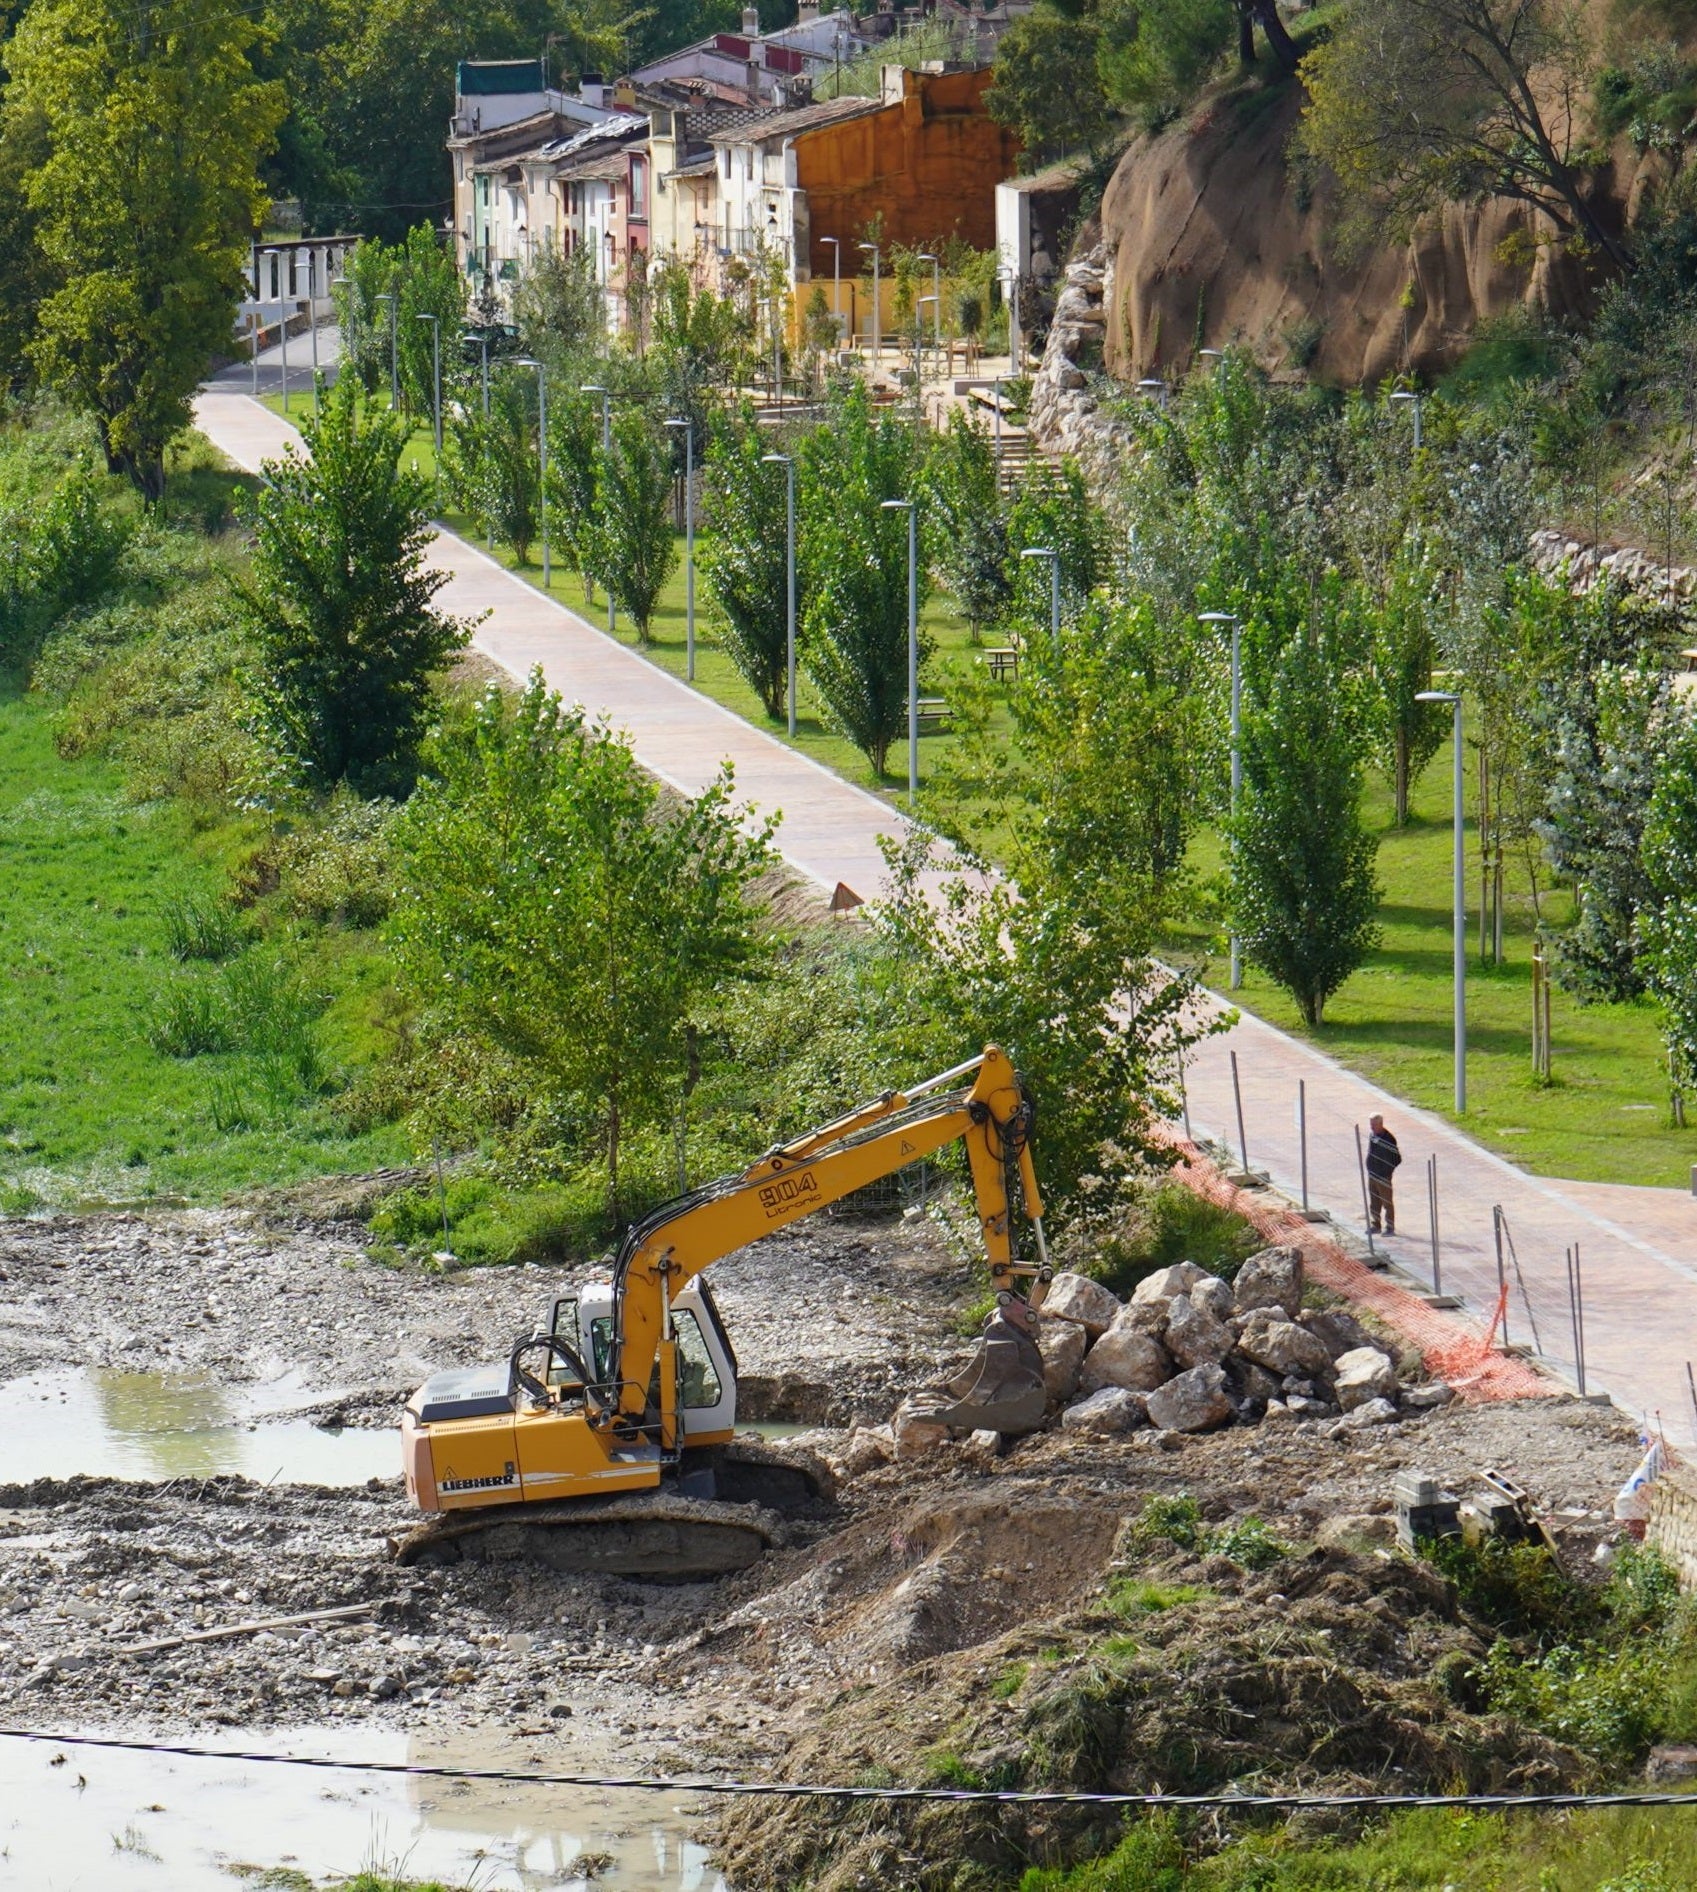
607,1441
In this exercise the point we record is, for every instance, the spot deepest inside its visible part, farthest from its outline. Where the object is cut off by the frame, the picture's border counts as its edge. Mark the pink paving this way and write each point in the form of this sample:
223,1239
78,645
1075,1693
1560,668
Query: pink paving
1638,1246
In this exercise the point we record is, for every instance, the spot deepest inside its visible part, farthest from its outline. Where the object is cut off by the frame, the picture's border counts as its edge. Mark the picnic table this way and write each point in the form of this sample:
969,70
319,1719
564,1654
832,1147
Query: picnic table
1004,661
933,712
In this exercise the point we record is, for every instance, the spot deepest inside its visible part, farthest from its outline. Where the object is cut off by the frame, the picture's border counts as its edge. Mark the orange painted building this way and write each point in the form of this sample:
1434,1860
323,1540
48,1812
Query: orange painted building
929,162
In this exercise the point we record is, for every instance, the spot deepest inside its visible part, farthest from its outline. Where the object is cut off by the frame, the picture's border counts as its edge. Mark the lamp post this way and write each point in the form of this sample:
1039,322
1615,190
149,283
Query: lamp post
912,511
1453,698
788,464
921,336
482,340
394,355
936,296
276,257
435,322
1156,389
312,323
594,387
1407,394
1229,617
836,244
530,361
996,409
1054,558
689,546
877,314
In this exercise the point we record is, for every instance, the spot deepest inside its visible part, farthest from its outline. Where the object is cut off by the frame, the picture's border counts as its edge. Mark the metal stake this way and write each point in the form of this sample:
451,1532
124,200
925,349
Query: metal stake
1302,1135
1366,1211
1502,1272
1432,1211
1242,1140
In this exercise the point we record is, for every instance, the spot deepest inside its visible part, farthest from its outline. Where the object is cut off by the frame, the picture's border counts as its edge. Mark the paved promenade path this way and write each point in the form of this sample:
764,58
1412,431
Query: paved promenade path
1638,1247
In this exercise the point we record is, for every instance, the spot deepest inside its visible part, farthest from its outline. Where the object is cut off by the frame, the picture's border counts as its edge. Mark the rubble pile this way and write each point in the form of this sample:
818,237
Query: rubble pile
1189,1353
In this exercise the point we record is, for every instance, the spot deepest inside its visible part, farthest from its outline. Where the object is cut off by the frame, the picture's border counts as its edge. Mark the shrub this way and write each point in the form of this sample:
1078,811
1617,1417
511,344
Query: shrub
189,1021
200,928
1172,1224
337,870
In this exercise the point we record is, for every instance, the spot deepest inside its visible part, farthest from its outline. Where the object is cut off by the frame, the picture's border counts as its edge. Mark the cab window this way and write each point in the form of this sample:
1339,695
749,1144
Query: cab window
700,1377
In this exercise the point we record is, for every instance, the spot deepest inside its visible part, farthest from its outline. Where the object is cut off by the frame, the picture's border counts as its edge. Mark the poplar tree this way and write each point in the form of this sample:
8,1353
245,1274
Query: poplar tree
153,126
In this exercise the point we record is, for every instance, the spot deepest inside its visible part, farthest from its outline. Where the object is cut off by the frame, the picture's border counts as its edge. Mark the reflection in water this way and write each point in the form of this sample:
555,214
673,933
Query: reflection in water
158,1426
122,1820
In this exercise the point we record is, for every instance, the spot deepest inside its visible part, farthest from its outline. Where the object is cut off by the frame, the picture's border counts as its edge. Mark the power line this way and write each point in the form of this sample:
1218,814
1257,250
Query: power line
794,1790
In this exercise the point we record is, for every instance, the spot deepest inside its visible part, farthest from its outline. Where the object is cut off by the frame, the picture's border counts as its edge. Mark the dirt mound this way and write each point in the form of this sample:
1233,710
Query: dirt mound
1186,1675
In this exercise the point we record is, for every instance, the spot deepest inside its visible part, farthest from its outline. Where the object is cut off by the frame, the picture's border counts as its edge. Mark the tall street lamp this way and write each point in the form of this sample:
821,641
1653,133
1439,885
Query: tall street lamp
1054,558
912,511
938,363
1453,698
481,337
788,464
1229,617
435,322
594,387
312,323
530,361
925,256
877,312
836,244
394,355
1155,388
282,318
1408,394
996,408
689,546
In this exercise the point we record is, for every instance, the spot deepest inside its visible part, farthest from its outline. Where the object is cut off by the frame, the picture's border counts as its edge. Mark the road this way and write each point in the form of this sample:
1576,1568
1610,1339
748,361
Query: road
1638,1247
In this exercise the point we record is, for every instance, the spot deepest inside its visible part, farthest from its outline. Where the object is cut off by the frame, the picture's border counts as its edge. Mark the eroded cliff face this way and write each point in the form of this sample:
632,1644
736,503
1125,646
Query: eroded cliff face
1211,238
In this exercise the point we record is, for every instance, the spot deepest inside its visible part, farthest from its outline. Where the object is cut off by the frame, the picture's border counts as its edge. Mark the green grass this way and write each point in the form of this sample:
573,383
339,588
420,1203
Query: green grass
1632,1849
89,1111
1603,1118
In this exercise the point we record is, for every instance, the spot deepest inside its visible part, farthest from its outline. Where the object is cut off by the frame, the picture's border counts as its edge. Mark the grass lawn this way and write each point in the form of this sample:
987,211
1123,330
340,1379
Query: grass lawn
89,1112
1604,1116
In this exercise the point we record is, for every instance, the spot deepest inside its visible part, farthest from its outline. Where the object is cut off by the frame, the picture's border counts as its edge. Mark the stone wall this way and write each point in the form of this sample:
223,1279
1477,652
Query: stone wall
1066,418
1673,1521
1588,566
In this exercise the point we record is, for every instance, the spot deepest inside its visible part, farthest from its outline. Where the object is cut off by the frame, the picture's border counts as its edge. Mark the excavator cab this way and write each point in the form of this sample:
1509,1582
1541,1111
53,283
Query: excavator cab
707,1363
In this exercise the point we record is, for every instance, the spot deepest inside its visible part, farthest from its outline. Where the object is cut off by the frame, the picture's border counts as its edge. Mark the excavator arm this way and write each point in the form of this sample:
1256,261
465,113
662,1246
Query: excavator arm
991,1116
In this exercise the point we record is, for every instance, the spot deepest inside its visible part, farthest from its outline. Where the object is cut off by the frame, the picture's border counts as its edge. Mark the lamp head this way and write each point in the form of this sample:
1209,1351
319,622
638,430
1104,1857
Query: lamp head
1436,696
1217,617
1038,551
1405,394
774,459
897,505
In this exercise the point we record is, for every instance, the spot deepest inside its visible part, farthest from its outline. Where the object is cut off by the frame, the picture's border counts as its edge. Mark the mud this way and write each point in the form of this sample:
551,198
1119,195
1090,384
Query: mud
864,1640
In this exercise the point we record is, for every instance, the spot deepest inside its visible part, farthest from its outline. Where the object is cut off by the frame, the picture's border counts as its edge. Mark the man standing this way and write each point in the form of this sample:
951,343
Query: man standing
1383,1156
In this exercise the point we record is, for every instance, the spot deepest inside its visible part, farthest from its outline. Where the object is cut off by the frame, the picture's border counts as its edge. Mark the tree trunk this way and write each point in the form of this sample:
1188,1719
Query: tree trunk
1245,34
1280,43
1402,778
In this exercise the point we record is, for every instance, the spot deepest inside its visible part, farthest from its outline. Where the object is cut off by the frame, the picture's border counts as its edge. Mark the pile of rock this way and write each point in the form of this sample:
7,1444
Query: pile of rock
1190,1352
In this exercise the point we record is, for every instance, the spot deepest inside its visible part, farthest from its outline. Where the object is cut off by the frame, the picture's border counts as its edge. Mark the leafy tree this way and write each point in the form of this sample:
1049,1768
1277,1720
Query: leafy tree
153,126
1405,648
856,561
973,962
634,497
743,559
427,283
1047,87
554,907
574,460
1156,54
557,306
493,467
1053,508
964,496
370,270
1437,101
1304,893
25,274
339,603
1605,761
1670,929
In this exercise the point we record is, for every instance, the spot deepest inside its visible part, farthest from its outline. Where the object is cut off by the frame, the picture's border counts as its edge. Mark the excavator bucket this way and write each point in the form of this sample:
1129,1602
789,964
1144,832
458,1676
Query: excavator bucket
1001,1387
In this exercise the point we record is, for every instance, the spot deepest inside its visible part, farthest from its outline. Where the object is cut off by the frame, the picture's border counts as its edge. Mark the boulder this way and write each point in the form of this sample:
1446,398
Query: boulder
915,1435
1249,1381
1424,1398
1076,1297
1142,1317
1277,1412
1125,1359
1112,1409
1196,1401
1283,1347
1356,1530
1213,1294
1338,1331
1164,1283
868,1447
1373,1412
1063,1344
1273,1278
1194,1335
1305,1408
1364,1373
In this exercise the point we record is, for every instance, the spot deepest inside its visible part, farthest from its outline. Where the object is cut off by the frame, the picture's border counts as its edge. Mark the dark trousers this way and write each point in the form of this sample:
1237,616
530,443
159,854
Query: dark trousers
1379,1203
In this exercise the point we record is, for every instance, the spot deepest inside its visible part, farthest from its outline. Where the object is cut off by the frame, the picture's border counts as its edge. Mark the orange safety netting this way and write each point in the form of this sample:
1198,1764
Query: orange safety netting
1450,1344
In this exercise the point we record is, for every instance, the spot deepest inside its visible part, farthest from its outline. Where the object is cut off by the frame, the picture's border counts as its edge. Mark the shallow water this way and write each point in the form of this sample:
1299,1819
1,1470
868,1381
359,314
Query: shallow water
120,1821
160,1426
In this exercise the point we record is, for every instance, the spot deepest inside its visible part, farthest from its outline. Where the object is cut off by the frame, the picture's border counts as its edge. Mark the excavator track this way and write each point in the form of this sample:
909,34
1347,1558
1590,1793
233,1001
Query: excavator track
667,1535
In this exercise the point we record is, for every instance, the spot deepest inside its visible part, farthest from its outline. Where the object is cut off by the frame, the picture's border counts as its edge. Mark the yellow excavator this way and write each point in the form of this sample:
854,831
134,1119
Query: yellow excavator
607,1441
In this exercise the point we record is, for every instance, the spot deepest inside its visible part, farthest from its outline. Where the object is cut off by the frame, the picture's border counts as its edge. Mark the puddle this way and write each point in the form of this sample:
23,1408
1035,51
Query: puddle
147,1821
157,1426
774,1428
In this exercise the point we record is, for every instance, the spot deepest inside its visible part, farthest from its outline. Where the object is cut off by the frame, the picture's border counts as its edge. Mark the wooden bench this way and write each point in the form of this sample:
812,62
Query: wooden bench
933,712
